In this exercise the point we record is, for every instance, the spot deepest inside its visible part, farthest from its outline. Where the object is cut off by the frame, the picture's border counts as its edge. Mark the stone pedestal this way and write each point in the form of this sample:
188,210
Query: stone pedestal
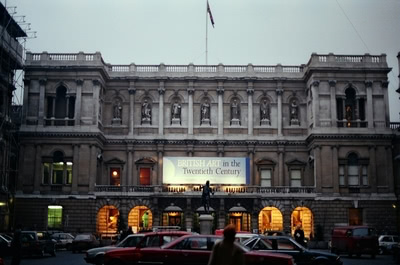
235,122
116,121
265,122
206,221
176,121
205,122
294,122
146,121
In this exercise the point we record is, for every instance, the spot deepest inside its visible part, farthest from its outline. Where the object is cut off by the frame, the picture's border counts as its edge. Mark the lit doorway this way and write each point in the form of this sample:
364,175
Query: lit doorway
270,219
304,217
137,219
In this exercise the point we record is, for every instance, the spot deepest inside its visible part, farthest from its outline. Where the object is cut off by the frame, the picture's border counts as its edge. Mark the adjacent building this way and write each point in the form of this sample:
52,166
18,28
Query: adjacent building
103,145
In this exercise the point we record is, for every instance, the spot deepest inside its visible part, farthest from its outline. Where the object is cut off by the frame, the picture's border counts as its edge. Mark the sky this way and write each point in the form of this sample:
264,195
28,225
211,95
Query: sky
261,32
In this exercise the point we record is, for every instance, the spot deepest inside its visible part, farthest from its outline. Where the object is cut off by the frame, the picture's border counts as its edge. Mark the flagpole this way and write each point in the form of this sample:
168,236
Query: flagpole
206,32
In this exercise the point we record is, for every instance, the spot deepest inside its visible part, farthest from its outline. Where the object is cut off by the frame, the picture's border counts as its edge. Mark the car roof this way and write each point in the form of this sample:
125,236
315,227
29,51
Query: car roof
168,233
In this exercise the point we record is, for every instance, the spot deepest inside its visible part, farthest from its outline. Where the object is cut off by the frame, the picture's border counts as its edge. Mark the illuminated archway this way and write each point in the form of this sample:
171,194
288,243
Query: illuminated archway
172,216
137,219
304,217
240,218
107,220
270,219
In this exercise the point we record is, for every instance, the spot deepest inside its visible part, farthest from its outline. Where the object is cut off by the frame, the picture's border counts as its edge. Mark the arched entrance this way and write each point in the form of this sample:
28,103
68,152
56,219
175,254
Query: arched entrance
270,219
304,217
107,220
140,218
172,216
239,217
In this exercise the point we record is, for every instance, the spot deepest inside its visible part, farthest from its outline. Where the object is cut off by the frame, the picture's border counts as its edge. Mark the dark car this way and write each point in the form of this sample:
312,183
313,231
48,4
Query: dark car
5,246
84,242
188,250
96,255
37,243
287,245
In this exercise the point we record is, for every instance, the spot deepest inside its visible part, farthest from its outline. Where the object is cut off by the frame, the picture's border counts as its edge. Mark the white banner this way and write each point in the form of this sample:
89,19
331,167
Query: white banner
197,170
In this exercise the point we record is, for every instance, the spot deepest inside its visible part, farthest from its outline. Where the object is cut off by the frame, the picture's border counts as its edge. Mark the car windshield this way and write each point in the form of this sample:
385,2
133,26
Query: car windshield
82,237
364,232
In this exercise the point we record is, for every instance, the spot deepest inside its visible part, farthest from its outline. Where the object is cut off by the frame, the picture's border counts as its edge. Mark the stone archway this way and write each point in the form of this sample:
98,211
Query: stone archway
137,218
270,219
303,216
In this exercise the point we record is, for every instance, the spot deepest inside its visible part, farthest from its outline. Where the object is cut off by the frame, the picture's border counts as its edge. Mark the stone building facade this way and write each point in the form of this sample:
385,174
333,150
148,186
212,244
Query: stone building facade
98,141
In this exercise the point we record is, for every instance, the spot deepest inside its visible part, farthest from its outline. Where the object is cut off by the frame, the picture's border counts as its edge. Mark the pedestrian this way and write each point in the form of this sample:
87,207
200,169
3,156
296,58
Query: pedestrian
227,251
145,219
299,234
16,246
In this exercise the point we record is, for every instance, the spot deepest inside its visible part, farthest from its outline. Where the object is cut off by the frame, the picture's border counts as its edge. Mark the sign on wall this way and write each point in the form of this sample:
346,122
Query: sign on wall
197,170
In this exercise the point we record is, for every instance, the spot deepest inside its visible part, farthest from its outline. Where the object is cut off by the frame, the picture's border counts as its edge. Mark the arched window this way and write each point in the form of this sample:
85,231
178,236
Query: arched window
57,170
350,109
353,171
60,108
350,106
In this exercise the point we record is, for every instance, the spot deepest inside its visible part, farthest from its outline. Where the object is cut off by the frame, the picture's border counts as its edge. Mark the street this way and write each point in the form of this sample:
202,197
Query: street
67,258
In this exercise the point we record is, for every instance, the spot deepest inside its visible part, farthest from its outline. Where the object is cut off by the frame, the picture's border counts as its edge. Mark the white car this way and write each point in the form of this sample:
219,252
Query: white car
64,240
386,243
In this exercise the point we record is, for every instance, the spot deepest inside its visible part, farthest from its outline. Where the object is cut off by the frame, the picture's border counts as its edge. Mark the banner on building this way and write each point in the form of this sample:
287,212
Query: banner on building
197,170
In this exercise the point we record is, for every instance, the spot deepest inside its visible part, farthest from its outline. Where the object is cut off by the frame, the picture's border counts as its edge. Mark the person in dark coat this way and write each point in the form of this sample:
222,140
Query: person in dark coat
299,235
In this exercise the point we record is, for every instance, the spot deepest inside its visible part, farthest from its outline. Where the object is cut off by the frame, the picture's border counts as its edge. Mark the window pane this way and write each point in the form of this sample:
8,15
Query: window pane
352,173
69,173
295,174
341,176
58,170
295,183
365,176
46,173
115,176
266,177
54,217
144,176
265,183
295,178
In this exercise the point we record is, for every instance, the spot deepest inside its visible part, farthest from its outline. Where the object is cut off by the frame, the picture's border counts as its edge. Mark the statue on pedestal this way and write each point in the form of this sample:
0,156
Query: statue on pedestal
205,113
146,112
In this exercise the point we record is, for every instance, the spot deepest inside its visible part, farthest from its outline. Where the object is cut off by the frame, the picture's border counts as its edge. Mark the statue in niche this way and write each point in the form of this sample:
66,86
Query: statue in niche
205,112
176,112
235,113
146,112
117,110
294,110
264,110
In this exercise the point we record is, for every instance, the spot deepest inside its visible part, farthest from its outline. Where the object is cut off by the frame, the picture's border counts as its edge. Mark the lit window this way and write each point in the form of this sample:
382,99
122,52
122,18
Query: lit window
54,217
115,178
56,171
355,216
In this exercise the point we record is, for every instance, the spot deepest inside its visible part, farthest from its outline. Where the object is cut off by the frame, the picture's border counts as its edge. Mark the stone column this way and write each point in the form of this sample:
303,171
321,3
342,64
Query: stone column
92,168
190,91
373,182
317,168
220,92
370,113
25,106
78,102
38,170
75,169
161,91
279,92
130,166
389,168
332,85
250,152
315,102
42,91
335,169
160,151
385,85
281,177
132,91
96,98
250,92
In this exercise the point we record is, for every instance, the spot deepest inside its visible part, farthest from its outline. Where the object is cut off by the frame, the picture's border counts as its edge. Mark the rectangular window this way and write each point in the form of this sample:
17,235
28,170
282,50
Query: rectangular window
355,216
46,173
365,175
58,172
341,176
54,217
115,176
295,178
266,178
144,176
69,173
353,175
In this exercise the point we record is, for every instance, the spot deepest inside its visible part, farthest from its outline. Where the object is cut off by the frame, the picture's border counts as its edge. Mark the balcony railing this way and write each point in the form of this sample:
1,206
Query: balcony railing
395,126
222,189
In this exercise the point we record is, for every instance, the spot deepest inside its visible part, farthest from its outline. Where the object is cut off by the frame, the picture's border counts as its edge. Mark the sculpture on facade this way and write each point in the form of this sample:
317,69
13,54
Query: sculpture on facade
117,110
235,113
264,110
205,113
294,113
176,113
146,112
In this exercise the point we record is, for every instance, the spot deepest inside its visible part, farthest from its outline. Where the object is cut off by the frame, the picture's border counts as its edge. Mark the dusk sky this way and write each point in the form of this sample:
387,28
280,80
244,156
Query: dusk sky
261,32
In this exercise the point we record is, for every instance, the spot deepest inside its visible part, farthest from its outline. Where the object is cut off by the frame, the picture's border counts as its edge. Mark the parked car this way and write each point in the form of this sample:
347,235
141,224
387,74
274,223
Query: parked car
37,243
96,255
354,240
84,242
63,240
287,245
387,243
2,262
5,246
188,250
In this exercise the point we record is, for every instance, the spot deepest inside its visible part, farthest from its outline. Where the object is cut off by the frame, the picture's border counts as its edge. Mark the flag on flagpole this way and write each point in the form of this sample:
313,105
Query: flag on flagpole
209,12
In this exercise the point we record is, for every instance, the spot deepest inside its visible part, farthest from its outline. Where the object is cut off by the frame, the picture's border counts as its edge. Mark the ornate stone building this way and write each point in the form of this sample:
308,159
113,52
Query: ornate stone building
103,144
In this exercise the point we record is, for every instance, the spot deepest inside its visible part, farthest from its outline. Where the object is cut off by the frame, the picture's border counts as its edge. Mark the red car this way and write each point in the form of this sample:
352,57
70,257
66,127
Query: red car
188,250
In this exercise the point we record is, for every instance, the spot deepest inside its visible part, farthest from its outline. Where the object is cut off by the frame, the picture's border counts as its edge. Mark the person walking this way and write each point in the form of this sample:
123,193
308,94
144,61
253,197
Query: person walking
145,220
299,235
226,251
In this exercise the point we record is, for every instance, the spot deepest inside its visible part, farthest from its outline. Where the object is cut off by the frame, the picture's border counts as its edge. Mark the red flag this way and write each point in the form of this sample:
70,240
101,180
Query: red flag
209,12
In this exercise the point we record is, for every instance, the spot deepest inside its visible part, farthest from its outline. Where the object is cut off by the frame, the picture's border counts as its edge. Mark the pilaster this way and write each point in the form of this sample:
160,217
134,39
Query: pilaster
78,102
220,92
42,90
161,91
132,91
332,85
250,92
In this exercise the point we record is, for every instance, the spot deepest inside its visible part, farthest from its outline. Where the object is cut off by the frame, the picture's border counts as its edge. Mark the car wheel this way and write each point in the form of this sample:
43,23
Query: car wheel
53,252
99,259
381,250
